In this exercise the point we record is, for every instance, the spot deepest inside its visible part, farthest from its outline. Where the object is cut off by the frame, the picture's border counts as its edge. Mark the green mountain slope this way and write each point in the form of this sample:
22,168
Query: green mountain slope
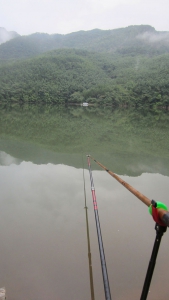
54,77
74,76
132,40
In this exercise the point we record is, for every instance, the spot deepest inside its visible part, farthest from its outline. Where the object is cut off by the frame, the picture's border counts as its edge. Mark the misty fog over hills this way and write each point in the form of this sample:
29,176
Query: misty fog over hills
7,35
132,40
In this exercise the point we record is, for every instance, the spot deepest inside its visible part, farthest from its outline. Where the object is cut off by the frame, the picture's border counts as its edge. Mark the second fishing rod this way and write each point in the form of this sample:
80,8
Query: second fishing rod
160,214
99,235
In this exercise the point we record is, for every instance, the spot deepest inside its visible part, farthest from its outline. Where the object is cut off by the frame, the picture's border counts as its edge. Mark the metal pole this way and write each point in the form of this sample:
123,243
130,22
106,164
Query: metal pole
99,235
159,233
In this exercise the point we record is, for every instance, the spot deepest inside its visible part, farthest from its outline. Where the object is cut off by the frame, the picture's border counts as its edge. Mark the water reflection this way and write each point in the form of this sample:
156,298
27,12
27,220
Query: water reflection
122,163
7,160
43,247
129,142
43,237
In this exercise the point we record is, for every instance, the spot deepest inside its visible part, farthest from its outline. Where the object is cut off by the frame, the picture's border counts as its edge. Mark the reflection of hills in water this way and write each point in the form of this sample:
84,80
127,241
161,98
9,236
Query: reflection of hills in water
128,142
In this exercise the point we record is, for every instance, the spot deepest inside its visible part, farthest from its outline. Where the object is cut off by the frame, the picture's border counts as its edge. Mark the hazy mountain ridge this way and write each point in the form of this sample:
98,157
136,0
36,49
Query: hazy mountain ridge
7,35
132,40
125,66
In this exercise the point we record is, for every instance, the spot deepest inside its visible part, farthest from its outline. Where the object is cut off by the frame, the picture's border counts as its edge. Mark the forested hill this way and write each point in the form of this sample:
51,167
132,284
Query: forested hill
74,76
132,40
126,67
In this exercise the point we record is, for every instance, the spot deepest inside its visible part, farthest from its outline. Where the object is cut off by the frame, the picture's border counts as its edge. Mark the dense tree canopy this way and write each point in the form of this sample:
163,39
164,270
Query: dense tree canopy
74,76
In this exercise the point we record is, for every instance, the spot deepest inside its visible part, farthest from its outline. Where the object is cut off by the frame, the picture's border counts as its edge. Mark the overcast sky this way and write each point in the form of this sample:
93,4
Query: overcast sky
65,16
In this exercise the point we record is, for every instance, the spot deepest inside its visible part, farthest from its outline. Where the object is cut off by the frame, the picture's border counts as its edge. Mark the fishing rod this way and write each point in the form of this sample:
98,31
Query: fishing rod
88,242
99,236
160,214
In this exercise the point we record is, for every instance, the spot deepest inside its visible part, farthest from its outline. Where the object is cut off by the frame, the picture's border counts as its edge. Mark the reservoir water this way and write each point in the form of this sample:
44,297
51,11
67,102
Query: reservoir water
43,244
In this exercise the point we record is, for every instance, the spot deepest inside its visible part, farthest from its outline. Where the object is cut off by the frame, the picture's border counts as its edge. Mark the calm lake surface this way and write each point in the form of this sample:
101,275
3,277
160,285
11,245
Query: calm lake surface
43,244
